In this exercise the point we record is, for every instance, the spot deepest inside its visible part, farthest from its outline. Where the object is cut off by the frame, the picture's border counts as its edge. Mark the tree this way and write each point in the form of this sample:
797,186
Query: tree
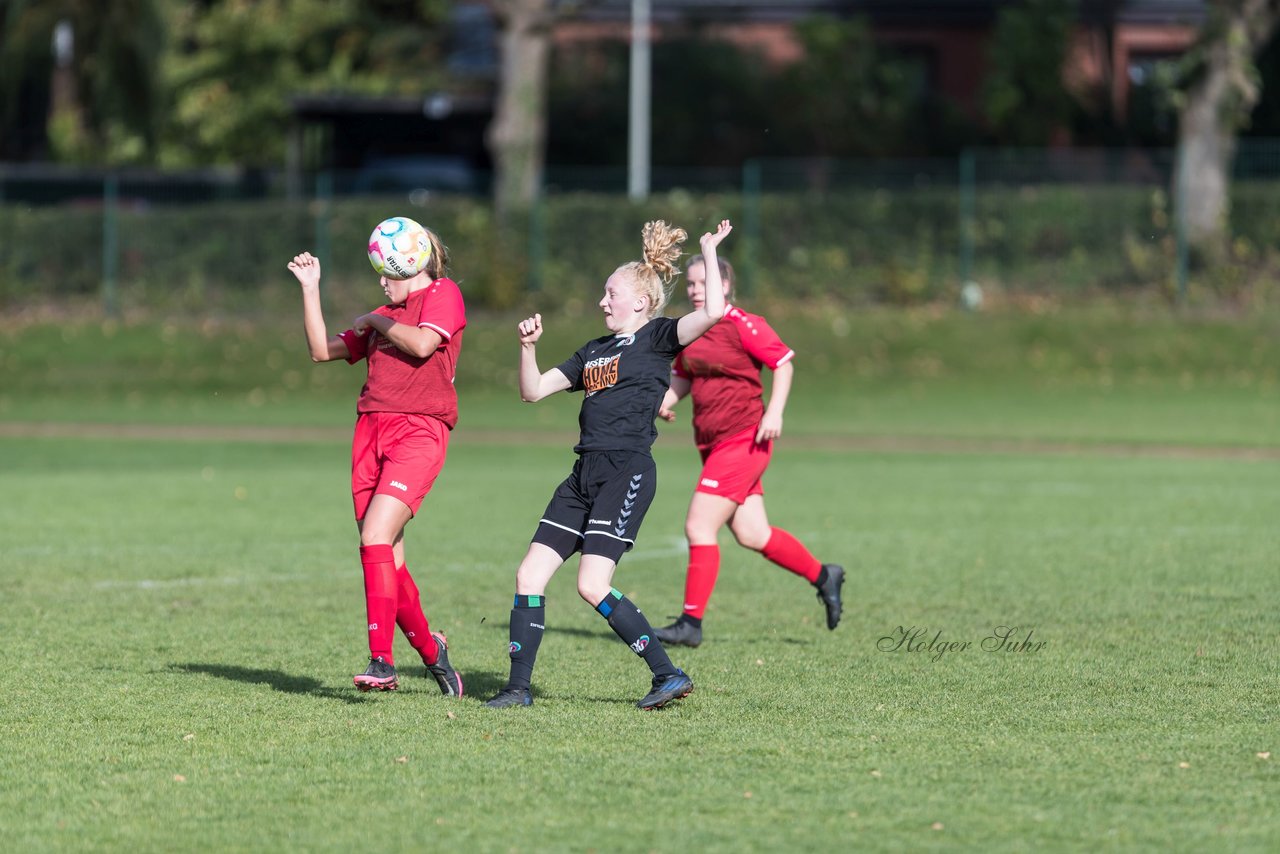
1024,97
1222,88
105,98
844,97
715,104
518,134
240,63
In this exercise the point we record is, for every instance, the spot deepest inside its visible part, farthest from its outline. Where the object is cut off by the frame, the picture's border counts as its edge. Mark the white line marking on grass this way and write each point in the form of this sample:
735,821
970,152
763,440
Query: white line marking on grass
200,581
859,443
236,580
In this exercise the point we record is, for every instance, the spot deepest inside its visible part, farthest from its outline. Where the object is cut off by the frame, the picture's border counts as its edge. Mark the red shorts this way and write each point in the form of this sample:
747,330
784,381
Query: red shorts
396,454
732,467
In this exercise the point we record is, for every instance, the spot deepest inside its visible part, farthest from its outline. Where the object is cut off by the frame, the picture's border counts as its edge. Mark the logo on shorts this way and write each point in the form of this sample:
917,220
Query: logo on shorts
514,648
706,481
400,486
599,521
624,515
641,644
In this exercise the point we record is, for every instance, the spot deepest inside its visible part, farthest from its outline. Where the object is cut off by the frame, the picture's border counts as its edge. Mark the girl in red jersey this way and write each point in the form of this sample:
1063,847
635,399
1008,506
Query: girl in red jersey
404,414
734,431
598,509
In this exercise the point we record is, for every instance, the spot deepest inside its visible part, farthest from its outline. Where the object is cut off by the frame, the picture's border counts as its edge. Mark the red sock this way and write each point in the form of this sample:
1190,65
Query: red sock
700,579
787,552
380,598
411,620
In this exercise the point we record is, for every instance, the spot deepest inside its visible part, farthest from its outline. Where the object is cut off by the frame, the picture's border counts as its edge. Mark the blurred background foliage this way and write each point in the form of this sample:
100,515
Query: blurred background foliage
853,232
899,196
177,83
183,83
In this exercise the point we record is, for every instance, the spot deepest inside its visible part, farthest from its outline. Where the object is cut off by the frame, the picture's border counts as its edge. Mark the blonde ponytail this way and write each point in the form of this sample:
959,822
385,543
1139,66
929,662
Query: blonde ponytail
650,277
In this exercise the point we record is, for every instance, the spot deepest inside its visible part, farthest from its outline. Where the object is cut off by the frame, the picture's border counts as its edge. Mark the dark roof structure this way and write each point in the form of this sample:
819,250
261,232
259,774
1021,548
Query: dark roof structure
932,12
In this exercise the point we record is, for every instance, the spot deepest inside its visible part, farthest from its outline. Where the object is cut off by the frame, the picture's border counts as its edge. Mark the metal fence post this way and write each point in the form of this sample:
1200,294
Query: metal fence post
1182,263
110,243
324,199
967,225
752,181
537,242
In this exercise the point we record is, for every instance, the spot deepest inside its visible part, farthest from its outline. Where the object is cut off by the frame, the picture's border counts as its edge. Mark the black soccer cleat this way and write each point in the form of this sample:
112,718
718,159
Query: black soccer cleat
829,593
681,633
379,676
665,689
449,680
511,697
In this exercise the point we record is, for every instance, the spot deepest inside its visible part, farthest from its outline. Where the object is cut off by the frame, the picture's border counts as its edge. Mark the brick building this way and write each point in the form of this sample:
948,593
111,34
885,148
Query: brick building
1116,41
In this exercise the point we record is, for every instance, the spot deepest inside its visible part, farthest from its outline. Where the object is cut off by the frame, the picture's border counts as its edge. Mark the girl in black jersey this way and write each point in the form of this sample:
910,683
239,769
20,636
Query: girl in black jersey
598,509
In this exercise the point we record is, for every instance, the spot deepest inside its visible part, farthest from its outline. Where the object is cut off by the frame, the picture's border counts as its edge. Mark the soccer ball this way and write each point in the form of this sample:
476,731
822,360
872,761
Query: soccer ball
399,248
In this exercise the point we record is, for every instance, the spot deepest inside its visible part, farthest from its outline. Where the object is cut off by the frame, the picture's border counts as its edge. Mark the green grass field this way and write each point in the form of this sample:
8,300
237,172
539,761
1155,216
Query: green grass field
183,611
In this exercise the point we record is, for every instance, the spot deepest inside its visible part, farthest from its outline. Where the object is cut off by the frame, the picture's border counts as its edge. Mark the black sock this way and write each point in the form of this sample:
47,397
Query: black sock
528,622
696,622
629,624
822,577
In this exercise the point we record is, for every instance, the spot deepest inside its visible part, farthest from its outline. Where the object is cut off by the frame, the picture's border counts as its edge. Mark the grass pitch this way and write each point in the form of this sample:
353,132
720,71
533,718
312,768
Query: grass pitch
182,616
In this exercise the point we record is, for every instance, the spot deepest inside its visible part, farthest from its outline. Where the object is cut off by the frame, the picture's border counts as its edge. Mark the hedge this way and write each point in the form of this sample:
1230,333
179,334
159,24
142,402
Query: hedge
859,245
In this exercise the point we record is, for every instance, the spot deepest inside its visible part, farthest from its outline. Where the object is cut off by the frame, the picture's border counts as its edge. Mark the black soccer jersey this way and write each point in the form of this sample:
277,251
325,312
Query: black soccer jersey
623,378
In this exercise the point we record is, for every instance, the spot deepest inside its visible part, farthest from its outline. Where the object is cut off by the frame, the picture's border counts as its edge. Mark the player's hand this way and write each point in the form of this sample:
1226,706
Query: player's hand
530,329
306,268
710,240
770,428
666,414
362,324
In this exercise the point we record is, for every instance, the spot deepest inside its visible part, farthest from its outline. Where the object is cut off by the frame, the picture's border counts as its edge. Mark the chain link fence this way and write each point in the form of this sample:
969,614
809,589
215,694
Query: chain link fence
1061,223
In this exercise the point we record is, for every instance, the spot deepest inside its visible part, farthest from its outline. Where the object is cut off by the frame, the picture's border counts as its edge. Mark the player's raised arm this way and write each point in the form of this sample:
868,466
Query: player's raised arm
323,347
698,321
535,385
419,341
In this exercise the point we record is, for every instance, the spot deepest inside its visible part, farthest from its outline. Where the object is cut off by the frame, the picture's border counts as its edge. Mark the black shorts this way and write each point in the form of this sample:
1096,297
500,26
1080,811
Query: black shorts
599,507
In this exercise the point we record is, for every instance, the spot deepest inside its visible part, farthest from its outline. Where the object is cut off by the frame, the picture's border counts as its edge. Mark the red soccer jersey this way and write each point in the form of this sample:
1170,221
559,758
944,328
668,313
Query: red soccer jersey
723,367
399,382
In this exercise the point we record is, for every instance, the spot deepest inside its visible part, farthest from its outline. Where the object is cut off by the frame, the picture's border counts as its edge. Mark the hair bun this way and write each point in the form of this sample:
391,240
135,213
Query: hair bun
662,248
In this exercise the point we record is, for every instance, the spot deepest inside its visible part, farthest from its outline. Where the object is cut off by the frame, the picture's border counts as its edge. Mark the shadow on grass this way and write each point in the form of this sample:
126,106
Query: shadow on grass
482,684
283,682
588,698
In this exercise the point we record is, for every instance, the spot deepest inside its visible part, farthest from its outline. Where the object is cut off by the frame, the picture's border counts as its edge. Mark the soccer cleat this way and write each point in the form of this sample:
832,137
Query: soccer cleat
829,593
380,676
665,689
449,680
511,697
681,632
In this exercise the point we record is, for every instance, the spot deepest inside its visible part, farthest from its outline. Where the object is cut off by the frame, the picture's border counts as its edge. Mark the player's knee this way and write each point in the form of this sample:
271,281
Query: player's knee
751,536
526,579
592,592
699,532
374,537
